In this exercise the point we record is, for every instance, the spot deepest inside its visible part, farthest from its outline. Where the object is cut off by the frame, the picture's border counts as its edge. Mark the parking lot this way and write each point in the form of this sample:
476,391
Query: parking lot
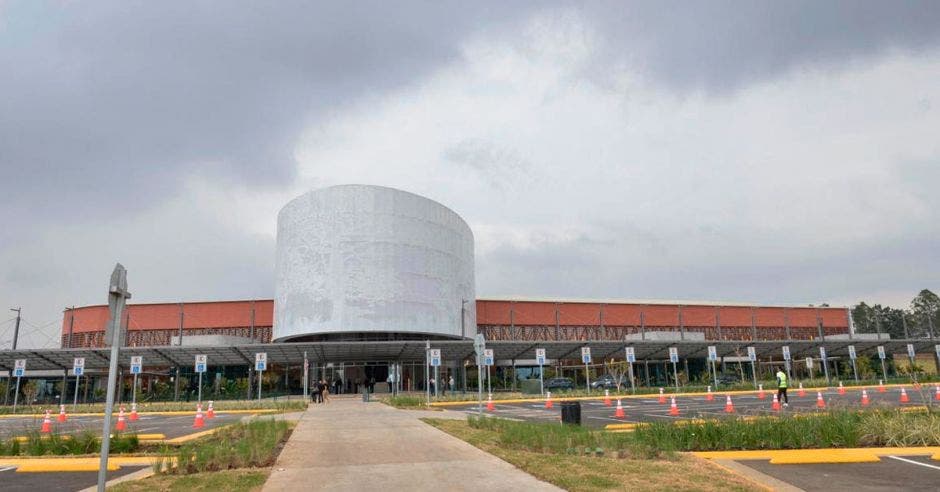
914,473
595,414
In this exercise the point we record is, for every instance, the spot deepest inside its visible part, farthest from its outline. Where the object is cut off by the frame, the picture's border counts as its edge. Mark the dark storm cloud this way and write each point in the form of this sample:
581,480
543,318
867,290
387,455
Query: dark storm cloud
104,105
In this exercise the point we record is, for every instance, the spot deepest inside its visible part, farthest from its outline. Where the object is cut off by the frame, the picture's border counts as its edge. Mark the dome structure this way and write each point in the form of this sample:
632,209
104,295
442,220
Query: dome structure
359,262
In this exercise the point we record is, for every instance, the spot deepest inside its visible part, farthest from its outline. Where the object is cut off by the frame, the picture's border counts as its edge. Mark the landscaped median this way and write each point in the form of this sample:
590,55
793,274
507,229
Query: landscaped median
669,455
240,453
163,408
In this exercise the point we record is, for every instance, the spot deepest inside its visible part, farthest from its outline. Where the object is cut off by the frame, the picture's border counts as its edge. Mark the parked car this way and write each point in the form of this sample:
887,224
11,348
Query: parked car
728,379
604,382
559,383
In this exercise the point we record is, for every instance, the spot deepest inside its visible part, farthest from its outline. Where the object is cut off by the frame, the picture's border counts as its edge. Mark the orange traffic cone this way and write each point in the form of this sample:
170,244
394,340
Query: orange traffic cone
121,423
729,407
62,417
673,409
709,396
801,391
760,391
210,414
936,395
662,395
198,422
881,386
865,401
776,405
904,397
841,388
618,413
489,403
133,417
607,398
548,399
46,424
820,403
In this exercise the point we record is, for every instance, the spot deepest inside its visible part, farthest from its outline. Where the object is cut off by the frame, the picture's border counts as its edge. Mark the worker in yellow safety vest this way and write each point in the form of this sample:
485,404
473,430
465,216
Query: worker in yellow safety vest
782,388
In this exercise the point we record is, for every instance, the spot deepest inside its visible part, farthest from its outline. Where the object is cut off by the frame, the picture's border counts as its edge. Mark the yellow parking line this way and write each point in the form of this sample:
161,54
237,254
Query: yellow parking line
45,465
816,456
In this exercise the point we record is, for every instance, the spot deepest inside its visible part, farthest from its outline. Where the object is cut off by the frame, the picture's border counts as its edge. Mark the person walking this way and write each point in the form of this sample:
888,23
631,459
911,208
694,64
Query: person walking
782,384
324,392
450,382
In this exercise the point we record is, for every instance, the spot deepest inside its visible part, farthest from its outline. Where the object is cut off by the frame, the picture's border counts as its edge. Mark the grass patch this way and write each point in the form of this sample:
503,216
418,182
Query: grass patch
55,444
588,473
407,402
835,429
244,445
229,481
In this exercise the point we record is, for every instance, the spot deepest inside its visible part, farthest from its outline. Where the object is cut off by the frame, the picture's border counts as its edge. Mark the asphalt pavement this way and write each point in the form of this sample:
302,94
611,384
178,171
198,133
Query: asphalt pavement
55,482
910,473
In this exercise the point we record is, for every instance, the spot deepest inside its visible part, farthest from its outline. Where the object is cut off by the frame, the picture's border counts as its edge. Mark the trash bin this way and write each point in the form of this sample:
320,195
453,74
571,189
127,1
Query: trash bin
365,397
571,412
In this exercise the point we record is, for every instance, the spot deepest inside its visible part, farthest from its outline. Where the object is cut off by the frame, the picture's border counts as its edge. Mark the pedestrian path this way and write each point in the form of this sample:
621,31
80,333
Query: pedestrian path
351,445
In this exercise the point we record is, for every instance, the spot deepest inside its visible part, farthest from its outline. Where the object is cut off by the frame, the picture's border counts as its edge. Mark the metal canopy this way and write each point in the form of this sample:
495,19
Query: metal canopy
321,352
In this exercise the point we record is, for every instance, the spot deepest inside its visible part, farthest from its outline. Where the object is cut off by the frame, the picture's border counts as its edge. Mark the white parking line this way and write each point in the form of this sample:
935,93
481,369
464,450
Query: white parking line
914,462
7,468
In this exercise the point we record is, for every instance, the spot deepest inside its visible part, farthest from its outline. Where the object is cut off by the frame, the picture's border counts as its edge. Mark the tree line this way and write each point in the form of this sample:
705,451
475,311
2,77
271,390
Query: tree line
919,320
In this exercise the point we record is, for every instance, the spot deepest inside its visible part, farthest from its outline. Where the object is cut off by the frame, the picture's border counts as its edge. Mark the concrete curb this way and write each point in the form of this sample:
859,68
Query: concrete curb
137,475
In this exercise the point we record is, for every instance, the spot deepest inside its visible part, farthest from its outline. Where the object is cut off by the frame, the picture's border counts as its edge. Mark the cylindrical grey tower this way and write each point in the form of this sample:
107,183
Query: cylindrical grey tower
357,262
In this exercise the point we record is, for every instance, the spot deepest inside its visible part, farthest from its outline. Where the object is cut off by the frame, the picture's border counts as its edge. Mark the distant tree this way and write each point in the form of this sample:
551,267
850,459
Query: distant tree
924,311
878,318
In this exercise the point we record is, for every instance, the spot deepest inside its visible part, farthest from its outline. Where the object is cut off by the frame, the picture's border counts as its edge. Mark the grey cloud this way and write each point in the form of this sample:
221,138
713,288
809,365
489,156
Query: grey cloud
721,46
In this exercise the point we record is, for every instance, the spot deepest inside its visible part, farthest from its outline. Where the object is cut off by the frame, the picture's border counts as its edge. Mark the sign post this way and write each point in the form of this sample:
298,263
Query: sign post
631,358
261,364
436,364
19,369
712,358
540,358
911,355
427,370
674,358
752,356
137,363
825,363
881,355
809,366
852,357
488,360
117,299
307,376
586,359
78,367
200,368
479,345
786,360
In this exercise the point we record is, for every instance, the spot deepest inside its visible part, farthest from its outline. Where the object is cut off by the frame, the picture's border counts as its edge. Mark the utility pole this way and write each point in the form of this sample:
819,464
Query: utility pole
16,329
71,312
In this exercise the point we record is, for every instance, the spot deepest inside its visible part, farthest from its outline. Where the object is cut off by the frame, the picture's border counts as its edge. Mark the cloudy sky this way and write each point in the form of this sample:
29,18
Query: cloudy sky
779,152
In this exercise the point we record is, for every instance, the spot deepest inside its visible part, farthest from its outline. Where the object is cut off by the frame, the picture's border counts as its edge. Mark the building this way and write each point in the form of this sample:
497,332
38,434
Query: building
498,319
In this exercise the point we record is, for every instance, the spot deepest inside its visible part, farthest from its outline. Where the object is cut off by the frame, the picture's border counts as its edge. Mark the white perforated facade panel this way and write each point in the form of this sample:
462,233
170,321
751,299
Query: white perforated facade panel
358,258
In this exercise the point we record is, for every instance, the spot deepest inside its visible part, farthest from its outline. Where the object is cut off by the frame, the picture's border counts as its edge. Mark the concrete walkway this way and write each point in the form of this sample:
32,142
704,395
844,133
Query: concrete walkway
351,445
